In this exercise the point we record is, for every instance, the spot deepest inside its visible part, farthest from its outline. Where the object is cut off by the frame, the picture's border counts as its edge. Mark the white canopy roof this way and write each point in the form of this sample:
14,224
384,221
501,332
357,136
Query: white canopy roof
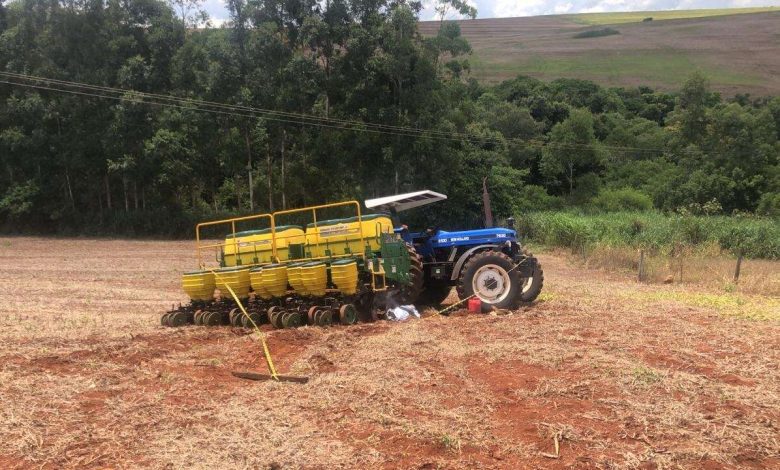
402,202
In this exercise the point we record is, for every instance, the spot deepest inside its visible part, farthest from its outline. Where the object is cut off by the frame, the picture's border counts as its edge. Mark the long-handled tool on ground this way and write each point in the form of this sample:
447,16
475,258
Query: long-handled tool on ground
254,375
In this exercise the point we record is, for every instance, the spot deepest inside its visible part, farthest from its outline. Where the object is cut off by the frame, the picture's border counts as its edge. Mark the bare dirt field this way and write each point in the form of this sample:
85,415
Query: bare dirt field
618,374
738,53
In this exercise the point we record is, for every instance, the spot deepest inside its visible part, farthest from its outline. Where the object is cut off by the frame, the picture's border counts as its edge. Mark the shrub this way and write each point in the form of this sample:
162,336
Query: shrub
596,33
693,231
769,205
753,241
626,199
556,229
19,199
754,237
536,198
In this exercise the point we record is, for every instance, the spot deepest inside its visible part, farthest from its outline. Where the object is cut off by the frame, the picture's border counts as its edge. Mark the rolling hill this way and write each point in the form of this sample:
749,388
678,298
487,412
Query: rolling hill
738,49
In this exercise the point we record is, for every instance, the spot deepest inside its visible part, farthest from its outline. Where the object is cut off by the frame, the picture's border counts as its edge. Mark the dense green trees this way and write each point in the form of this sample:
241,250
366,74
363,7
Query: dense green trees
80,163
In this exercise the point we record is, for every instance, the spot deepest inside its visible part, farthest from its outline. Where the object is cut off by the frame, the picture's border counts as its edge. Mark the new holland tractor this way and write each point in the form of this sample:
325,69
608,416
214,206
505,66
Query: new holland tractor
488,263
319,270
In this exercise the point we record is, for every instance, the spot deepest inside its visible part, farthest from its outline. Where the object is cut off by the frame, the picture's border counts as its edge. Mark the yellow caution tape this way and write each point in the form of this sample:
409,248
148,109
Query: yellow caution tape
266,351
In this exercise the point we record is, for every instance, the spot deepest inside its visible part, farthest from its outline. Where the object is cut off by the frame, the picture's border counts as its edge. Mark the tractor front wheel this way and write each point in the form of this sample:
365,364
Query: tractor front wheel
493,278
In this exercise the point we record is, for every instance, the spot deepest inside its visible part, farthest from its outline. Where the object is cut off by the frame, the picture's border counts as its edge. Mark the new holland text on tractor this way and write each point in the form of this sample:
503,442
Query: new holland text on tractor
318,270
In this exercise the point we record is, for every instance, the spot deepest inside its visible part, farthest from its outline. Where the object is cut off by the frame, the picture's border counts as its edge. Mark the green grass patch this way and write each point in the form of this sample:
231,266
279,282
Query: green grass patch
644,375
667,67
753,236
546,297
596,33
450,442
639,16
735,305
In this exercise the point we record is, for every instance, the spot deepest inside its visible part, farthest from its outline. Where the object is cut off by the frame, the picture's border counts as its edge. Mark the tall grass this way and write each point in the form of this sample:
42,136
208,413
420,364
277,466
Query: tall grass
659,233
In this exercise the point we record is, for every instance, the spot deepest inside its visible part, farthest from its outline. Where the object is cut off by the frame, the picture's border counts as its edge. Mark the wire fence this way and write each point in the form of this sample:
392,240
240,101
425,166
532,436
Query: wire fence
687,266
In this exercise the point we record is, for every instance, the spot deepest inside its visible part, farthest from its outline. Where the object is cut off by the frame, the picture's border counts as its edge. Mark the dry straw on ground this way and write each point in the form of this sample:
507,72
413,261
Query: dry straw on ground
619,374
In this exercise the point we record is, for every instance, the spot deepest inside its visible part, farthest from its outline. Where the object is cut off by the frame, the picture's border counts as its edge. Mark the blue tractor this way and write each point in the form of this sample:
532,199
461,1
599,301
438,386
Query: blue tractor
488,263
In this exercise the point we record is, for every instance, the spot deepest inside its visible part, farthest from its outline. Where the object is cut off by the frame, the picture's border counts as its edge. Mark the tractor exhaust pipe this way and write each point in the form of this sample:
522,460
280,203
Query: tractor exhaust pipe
486,204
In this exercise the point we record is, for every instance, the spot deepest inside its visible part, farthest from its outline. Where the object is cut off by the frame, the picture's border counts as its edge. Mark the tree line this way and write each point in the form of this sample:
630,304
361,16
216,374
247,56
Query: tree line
370,108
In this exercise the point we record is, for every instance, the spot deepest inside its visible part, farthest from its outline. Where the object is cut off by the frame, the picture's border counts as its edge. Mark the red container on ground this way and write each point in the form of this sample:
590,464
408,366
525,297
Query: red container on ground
475,305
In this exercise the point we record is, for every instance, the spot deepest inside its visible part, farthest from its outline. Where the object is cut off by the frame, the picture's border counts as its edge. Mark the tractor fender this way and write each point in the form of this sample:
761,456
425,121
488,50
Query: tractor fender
462,260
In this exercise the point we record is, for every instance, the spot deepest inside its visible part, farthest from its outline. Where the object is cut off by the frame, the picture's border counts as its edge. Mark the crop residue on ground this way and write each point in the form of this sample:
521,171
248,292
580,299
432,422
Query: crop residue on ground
585,378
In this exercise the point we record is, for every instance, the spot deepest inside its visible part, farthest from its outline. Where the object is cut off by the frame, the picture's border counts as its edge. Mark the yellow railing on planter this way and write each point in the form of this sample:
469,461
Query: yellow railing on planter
320,239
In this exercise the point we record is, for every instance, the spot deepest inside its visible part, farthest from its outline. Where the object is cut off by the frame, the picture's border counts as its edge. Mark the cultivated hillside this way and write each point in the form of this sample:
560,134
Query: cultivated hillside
738,49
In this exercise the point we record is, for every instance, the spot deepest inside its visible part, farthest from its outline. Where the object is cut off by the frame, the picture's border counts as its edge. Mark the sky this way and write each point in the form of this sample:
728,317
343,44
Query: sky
509,8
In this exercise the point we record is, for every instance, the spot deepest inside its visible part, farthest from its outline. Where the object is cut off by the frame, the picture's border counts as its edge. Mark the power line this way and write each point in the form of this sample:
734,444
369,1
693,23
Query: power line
222,105
282,116
178,106
125,97
303,119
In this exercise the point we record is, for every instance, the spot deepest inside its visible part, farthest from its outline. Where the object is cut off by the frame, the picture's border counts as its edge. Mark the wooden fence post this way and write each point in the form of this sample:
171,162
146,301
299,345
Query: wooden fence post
679,251
681,267
641,274
738,268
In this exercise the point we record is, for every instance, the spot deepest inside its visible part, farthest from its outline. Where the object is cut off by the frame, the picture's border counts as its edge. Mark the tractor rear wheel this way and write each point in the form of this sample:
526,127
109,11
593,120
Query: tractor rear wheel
409,293
492,277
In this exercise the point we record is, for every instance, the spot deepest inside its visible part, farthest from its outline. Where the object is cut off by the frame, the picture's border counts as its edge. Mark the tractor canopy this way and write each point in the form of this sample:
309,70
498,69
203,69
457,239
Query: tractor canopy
402,202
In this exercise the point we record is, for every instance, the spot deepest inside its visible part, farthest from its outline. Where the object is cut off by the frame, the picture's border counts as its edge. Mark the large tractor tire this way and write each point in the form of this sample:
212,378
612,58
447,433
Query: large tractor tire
492,277
409,293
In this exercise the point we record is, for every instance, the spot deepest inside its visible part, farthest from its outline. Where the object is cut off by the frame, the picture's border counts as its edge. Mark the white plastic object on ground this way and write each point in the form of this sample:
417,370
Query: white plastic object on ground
402,313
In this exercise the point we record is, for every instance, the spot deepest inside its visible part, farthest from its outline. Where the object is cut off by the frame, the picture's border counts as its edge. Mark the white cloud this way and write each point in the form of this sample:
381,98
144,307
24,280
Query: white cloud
218,22
428,11
217,10
563,8
510,8
608,5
